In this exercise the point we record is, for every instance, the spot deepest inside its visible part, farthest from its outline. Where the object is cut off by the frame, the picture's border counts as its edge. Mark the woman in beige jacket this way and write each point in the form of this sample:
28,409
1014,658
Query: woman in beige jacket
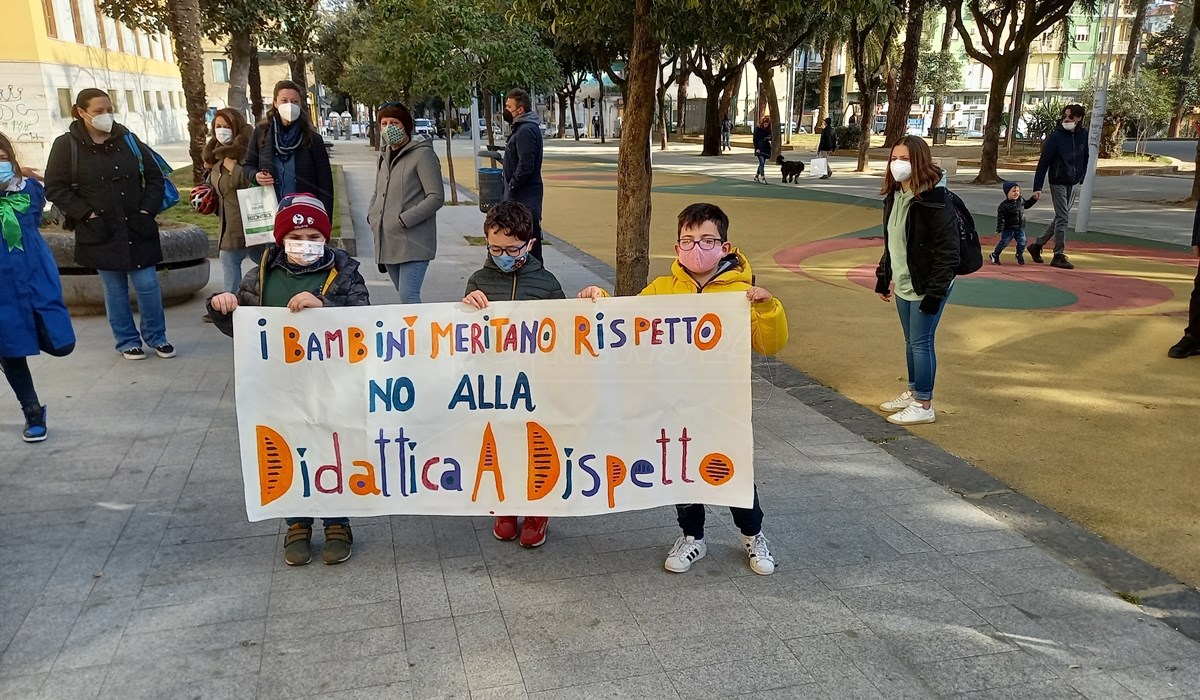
403,210
224,153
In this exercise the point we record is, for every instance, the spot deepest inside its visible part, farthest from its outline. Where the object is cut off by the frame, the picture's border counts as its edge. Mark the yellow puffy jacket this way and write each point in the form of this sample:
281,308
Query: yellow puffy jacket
768,323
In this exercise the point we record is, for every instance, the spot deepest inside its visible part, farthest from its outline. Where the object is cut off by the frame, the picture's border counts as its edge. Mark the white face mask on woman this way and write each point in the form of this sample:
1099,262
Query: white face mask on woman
102,123
289,112
1069,126
901,170
223,135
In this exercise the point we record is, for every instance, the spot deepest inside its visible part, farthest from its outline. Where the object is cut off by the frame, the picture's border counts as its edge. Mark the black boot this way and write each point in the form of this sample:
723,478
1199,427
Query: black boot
1186,347
1059,260
35,423
1035,253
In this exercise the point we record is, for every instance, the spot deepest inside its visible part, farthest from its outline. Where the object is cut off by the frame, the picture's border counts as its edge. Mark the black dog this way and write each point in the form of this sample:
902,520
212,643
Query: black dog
790,169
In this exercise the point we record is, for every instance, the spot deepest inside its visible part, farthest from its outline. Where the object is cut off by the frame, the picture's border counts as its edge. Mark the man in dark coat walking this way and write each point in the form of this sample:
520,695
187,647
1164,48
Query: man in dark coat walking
1190,344
1065,158
523,160
827,146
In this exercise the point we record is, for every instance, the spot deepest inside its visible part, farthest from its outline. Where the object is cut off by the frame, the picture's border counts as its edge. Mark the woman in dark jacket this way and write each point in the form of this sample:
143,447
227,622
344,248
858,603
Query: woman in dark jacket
111,196
762,147
917,267
33,318
287,152
224,154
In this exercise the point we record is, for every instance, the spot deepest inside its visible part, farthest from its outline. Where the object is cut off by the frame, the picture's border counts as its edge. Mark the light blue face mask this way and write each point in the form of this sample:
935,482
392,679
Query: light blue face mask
508,263
6,171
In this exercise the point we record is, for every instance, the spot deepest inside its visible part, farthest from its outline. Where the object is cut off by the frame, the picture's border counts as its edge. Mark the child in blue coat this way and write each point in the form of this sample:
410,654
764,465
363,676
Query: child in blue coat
32,313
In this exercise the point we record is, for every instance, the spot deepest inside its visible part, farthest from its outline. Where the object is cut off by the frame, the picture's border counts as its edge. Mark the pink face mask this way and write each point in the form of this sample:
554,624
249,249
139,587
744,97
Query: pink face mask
699,261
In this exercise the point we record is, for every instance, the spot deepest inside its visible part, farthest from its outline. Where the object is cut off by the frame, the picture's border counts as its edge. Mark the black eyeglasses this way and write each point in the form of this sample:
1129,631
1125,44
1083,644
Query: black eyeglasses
506,250
704,243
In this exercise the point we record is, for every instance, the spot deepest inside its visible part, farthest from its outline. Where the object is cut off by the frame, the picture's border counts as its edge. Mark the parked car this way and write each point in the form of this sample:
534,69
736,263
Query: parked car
549,131
424,127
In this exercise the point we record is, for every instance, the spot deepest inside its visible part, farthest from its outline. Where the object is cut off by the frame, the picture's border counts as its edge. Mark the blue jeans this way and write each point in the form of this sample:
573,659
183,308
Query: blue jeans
324,521
1008,235
120,311
407,278
762,165
231,265
918,345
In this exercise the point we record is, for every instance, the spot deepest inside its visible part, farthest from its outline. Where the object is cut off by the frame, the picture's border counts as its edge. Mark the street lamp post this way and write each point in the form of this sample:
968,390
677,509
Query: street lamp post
1099,106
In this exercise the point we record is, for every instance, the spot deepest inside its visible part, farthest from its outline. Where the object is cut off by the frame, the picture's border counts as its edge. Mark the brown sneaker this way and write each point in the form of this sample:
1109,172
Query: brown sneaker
297,550
338,539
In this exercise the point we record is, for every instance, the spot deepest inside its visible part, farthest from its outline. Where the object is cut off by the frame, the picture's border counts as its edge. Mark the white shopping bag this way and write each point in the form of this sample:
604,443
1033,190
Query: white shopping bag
818,167
258,214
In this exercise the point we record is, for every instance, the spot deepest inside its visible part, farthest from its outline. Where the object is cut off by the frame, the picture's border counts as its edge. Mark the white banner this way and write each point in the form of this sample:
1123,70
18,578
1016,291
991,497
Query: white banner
524,408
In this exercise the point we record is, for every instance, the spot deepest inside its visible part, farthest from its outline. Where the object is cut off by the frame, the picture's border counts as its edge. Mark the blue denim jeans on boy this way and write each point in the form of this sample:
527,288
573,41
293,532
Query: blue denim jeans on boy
120,310
1016,234
231,265
407,278
919,329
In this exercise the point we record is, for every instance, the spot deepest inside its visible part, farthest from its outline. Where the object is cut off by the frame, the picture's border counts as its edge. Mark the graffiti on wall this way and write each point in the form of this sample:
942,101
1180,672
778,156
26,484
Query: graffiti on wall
19,120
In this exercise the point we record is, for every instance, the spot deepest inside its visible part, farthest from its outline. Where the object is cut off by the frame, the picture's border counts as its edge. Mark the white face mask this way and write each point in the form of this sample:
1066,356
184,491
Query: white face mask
102,123
223,135
1069,126
304,252
901,170
289,112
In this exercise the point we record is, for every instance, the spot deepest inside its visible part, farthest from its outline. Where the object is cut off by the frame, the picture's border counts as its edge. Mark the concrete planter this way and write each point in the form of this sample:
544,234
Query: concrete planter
183,271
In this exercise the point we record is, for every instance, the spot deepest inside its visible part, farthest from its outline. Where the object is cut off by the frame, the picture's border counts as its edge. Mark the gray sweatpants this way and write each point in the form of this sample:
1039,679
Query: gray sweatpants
1064,198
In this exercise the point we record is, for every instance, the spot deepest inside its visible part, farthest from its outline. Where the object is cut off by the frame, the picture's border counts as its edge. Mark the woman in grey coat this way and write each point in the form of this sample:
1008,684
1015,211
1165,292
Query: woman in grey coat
403,211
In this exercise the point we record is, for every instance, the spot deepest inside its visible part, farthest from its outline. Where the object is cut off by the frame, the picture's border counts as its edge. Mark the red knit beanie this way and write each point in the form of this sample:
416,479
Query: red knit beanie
301,210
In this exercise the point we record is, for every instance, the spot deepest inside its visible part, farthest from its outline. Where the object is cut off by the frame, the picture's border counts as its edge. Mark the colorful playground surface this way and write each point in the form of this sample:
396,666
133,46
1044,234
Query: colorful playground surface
1055,381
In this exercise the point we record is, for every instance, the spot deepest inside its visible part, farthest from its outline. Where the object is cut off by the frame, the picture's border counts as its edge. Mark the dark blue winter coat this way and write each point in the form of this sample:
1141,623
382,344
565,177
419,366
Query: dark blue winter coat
762,141
30,291
523,164
1064,157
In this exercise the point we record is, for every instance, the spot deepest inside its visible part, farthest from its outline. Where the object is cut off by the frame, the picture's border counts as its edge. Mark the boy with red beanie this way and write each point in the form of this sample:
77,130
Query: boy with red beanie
300,272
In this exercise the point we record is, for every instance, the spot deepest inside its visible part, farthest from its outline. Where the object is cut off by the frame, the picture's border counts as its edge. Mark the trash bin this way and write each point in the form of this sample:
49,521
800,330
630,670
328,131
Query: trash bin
491,187
939,136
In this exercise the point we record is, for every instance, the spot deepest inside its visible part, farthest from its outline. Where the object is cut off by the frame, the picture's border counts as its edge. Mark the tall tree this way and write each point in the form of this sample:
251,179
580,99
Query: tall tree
906,80
254,78
634,175
1006,30
780,34
945,57
827,52
294,30
1135,35
182,19
871,35
237,22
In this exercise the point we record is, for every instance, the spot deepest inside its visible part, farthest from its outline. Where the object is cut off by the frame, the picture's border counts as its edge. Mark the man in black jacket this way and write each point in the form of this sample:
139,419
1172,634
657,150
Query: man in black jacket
827,146
1190,344
523,160
1065,157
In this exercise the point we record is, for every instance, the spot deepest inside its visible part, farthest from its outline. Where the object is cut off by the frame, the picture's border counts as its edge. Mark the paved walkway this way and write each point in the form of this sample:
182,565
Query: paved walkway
131,571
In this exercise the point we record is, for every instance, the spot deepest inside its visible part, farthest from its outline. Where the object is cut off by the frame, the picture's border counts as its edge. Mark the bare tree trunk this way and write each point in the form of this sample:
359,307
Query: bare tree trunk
450,156
826,68
634,176
487,118
661,105
1135,37
562,115
681,92
1185,67
241,48
712,119
1002,72
185,35
574,120
1014,111
730,93
766,82
255,80
906,85
939,101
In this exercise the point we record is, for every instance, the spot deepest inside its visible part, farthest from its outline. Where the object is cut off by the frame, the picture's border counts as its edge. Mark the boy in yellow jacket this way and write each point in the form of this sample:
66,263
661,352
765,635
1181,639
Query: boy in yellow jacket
706,262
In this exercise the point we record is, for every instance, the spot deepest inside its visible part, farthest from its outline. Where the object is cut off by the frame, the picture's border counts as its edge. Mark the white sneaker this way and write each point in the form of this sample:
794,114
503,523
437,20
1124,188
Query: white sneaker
686,551
761,561
899,403
913,415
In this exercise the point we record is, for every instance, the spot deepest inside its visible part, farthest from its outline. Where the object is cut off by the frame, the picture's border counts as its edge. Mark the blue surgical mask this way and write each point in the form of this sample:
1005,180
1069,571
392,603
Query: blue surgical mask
509,263
6,171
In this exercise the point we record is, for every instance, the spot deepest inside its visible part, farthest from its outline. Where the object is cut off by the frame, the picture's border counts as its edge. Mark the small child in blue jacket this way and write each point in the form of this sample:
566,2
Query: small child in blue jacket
1010,222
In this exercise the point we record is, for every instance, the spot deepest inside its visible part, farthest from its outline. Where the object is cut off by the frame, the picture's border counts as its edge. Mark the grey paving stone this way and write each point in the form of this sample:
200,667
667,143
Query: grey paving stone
411,537
390,691
37,642
712,609
655,686
565,670
507,692
423,594
591,624
836,675
705,649
195,614
905,569
1040,690
74,684
136,648
468,585
972,542
231,670
1008,560
435,661
311,670
626,540
487,652
739,676
984,672
23,687
207,569
333,620
873,657
521,598
894,595
1161,680
201,590
1101,686
94,637
454,537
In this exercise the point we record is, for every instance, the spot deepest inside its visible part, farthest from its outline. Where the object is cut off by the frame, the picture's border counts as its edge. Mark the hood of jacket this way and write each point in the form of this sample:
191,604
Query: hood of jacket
734,268
527,118
215,151
415,142
80,132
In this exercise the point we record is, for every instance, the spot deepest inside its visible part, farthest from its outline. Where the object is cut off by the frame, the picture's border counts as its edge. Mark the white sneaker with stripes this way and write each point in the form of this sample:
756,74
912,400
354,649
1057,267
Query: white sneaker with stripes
687,550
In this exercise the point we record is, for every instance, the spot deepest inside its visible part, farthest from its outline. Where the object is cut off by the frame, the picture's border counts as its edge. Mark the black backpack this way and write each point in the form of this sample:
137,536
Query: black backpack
970,252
